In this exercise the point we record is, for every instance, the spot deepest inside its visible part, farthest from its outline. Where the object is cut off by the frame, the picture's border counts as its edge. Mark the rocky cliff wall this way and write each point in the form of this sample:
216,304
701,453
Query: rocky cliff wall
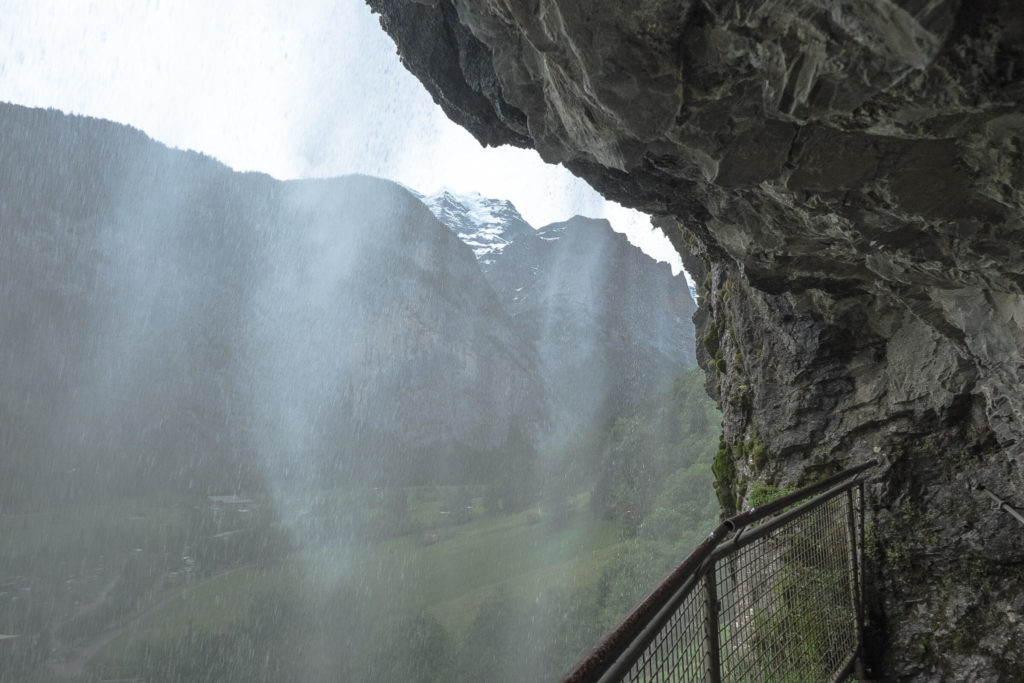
845,179
612,327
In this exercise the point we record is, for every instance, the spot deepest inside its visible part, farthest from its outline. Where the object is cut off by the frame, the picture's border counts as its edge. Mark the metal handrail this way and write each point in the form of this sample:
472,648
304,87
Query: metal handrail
1001,504
613,657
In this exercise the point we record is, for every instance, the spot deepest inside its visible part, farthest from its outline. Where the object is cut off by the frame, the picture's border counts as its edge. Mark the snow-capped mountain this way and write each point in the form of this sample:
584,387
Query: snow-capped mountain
611,324
486,225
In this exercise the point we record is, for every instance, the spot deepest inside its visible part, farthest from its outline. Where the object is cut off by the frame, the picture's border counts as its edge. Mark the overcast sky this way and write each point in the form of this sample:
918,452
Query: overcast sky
293,89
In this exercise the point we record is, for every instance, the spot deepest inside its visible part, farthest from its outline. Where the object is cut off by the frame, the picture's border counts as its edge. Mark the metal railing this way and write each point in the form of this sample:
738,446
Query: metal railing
1000,504
772,594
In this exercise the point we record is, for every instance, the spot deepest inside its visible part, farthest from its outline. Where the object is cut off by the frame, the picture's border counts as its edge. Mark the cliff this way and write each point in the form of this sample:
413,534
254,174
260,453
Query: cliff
612,327
605,318
845,180
170,324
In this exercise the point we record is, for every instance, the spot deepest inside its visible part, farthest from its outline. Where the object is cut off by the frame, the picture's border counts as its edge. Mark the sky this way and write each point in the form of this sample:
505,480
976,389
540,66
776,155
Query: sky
295,90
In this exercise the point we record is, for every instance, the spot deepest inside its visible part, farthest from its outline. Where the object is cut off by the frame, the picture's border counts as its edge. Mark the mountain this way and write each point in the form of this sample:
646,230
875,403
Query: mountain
611,325
166,319
486,225
168,322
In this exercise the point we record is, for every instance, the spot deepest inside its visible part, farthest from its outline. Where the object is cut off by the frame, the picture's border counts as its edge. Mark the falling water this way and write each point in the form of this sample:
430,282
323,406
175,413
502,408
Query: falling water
254,429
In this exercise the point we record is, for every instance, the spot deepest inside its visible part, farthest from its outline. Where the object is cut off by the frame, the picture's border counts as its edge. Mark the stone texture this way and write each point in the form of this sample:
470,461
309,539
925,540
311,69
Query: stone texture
845,179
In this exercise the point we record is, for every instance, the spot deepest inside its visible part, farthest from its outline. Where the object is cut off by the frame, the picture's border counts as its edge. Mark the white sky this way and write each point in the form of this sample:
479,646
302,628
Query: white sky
296,90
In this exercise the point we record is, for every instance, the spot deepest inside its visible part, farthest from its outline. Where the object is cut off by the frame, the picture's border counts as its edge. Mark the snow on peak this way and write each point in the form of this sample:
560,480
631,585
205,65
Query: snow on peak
486,225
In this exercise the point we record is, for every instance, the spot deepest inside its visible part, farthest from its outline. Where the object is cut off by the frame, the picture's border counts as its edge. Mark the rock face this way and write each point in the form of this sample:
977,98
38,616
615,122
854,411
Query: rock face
611,326
605,319
845,179
166,320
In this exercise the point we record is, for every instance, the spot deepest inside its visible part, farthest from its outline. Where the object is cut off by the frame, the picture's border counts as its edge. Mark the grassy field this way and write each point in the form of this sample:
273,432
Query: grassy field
72,556
449,579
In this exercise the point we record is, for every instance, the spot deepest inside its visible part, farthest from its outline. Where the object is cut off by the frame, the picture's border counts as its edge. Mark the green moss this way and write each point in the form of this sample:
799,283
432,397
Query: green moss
762,494
754,450
905,537
711,341
758,451
724,470
688,237
733,339
966,458
871,541
739,392
727,289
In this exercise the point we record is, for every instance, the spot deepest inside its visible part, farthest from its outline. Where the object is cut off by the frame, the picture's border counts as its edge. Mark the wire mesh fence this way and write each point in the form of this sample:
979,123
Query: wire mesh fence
678,647
773,595
786,609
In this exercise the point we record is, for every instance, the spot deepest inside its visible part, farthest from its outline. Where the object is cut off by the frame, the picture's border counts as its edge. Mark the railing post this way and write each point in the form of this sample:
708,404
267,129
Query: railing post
857,563
712,661
675,603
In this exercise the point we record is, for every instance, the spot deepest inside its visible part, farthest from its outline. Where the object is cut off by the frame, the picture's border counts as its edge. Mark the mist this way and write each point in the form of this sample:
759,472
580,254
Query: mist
263,429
